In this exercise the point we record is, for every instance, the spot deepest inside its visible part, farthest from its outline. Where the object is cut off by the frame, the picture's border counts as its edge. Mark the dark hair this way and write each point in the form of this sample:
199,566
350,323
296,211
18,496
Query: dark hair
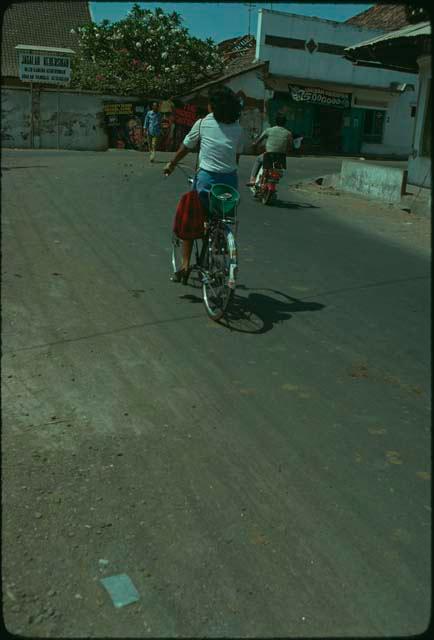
280,120
225,105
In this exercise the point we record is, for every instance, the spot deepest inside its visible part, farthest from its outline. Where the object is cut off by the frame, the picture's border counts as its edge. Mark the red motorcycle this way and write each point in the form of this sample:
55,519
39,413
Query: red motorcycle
269,175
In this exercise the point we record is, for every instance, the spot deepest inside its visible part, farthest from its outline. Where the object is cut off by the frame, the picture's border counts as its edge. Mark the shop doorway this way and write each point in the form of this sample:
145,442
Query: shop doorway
329,129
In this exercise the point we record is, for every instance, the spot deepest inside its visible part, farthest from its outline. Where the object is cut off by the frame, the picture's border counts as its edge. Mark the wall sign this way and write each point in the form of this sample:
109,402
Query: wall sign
118,108
186,116
316,95
49,68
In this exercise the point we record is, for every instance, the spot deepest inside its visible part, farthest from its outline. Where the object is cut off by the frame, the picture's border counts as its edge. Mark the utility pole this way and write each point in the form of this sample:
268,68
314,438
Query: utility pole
250,6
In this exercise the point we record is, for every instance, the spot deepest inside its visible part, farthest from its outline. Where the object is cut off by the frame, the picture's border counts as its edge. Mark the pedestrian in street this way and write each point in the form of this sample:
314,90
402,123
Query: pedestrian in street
152,129
219,137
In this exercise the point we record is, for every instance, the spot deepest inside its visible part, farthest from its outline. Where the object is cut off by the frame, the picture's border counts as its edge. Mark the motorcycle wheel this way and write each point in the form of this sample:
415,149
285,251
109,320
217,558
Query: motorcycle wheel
267,197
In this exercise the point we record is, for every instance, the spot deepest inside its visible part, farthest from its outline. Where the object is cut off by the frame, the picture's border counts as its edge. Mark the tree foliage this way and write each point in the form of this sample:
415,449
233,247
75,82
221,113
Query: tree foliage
147,53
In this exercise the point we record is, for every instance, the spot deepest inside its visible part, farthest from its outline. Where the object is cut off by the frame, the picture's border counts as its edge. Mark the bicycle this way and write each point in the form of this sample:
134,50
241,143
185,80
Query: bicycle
216,259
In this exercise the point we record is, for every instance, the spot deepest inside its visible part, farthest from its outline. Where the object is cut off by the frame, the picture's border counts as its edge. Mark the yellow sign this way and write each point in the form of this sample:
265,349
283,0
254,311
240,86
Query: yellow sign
118,109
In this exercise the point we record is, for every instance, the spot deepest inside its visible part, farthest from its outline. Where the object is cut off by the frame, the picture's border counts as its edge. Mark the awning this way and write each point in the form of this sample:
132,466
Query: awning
396,51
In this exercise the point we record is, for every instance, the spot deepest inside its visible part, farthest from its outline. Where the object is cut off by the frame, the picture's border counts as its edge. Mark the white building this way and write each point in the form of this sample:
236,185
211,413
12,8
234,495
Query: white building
338,107
407,48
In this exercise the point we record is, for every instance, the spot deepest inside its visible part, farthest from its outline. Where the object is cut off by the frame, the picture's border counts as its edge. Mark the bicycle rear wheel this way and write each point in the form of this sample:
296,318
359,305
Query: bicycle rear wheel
218,281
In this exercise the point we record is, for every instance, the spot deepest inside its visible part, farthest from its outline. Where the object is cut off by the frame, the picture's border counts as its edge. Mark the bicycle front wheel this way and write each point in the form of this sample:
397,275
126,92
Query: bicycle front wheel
218,283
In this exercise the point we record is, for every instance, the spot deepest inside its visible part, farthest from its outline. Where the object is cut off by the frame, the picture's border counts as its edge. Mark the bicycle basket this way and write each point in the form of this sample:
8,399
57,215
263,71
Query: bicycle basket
224,200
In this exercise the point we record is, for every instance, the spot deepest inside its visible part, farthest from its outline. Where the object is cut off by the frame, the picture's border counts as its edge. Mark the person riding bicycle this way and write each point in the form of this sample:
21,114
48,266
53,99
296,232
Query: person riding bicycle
278,141
219,135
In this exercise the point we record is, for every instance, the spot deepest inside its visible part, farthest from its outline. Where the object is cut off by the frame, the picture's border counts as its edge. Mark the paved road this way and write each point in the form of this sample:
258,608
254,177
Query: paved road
264,477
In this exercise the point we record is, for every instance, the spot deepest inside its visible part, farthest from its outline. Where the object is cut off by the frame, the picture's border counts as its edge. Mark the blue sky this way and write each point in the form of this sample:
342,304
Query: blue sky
219,20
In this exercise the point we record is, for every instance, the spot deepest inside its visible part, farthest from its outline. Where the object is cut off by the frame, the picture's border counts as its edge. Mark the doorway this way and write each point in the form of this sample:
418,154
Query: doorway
329,129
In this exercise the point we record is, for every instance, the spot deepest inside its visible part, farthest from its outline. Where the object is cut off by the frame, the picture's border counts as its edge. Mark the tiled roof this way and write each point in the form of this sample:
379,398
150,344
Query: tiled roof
388,17
46,24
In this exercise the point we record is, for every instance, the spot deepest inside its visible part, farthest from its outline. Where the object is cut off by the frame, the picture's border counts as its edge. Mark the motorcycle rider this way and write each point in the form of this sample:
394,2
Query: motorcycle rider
278,140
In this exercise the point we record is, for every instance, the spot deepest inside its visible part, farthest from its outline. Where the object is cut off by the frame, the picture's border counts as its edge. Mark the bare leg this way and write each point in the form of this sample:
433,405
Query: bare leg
187,248
255,168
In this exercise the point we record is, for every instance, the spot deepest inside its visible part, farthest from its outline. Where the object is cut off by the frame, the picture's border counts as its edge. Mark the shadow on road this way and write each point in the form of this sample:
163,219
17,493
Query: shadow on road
280,204
32,166
258,313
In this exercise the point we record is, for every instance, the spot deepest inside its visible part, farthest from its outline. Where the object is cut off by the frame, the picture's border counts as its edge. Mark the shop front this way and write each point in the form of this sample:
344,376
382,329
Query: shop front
317,114
124,123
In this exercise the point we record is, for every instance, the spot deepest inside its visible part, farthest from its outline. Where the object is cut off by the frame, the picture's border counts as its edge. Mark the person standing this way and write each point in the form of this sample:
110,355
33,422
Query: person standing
152,129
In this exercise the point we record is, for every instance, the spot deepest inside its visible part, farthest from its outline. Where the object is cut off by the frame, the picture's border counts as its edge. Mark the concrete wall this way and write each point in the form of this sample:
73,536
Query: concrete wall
80,124
15,119
419,166
373,181
249,83
319,66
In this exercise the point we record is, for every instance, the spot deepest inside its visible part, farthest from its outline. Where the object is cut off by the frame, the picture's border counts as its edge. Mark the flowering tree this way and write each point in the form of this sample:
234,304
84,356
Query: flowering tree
146,53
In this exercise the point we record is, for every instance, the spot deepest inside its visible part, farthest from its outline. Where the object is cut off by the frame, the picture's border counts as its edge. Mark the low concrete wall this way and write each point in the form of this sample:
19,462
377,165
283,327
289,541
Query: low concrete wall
382,183
65,118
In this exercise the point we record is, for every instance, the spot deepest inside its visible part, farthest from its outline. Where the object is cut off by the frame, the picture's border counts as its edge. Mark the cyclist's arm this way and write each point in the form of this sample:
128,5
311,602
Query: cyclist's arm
180,154
189,144
262,137
290,143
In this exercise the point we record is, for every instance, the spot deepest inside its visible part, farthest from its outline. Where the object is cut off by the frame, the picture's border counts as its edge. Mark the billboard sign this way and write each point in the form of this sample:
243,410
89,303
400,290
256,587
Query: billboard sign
46,66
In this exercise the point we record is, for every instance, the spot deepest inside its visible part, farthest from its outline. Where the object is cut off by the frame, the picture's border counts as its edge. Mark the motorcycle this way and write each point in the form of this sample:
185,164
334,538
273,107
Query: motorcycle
269,175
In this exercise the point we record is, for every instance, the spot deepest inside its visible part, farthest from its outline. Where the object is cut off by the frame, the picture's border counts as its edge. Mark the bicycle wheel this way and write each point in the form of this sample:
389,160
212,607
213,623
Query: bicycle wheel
218,282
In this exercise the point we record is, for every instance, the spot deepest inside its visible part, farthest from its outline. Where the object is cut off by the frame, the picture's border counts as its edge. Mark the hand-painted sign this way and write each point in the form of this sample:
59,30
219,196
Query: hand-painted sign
47,68
316,95
118,108
186,116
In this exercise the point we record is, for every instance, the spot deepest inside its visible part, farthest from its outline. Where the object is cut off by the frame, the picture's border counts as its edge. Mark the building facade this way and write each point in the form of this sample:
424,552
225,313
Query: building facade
337,107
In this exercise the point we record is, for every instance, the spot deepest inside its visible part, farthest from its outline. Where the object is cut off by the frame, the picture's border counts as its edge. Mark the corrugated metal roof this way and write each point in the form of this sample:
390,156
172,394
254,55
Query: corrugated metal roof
411,31
46,24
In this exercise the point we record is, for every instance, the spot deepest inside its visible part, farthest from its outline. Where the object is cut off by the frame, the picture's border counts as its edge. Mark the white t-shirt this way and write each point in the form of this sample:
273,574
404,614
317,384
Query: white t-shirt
219,144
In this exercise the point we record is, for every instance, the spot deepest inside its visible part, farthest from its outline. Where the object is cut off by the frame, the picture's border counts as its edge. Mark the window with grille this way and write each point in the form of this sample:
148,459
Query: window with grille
374,125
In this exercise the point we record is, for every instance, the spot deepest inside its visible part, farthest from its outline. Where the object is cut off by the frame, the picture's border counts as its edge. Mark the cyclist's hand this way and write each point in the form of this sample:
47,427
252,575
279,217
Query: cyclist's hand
168,169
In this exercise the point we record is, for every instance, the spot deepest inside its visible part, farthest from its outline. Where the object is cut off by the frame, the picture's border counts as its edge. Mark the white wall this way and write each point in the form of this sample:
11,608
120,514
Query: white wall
397,138
319,66
419,167
80,118
15,118
250,83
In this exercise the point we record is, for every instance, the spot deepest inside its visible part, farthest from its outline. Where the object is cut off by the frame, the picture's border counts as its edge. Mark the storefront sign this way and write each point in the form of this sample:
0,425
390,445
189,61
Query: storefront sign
316,95
186,116
48,68
115,109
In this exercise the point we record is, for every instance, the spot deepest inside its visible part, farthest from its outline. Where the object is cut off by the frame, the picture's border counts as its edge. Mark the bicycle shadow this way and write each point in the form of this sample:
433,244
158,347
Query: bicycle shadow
258,313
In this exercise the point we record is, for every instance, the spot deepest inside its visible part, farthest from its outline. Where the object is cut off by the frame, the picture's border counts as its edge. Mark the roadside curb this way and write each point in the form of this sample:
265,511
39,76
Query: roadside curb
416,200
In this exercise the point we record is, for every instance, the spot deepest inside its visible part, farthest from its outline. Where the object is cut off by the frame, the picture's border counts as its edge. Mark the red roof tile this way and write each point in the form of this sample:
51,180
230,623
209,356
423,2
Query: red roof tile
45,24
387,17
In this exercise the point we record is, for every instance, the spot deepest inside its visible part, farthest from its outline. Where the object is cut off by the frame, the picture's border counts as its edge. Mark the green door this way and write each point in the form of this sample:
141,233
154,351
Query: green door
352,131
